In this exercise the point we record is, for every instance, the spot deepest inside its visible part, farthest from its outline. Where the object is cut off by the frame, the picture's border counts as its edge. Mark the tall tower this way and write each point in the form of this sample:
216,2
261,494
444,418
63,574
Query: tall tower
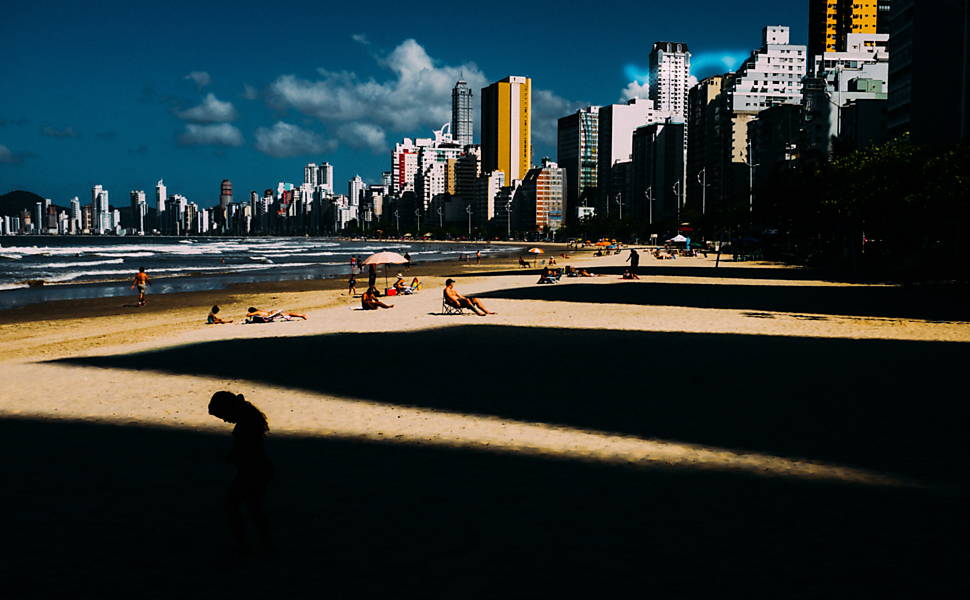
310,175
161,195
225,194
507,127
355,190
830,21
325,176
669,75
461,113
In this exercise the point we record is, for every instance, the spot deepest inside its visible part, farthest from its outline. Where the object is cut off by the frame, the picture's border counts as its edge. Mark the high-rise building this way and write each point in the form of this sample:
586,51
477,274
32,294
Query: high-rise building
542,196
507,127
161,195
657,190
830,21
75,215
310,175
669,78
139,210
577,139
616,124
325,176
929,71
704,164
461,114
771,75
225,194
355,190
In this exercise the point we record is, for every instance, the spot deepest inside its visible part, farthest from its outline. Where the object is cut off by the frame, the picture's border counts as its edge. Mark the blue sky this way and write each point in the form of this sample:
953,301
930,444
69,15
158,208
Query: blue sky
123,94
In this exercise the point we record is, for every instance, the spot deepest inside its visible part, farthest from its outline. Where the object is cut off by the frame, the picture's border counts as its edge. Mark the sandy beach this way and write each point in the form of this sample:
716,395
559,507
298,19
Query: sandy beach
745,426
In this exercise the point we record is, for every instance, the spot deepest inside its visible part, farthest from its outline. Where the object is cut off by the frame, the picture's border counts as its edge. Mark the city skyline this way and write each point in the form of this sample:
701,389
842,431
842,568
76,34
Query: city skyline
197,116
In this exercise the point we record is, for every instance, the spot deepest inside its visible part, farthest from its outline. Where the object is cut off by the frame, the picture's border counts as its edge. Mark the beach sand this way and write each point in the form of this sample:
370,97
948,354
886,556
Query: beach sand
745,426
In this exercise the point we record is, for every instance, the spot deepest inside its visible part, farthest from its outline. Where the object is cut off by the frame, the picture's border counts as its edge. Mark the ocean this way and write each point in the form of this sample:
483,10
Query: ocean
94,267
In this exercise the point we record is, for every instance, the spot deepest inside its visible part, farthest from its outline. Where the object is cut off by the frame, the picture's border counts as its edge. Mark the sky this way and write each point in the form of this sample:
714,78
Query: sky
121,94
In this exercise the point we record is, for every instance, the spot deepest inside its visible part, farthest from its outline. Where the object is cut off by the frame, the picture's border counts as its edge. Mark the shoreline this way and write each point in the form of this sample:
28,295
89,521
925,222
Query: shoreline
75,291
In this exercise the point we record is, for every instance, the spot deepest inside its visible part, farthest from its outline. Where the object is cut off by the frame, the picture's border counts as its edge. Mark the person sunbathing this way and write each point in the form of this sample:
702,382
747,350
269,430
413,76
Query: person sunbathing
453,298
628,275
546,276
254,315
584,273
369,301
213,319
416,284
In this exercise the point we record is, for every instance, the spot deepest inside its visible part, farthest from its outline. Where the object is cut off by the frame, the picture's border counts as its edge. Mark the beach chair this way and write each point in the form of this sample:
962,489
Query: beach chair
450,309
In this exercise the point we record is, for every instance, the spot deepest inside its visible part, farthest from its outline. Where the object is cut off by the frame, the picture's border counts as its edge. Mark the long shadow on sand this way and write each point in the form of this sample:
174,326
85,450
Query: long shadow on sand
647,268
875,403
863,301
112,511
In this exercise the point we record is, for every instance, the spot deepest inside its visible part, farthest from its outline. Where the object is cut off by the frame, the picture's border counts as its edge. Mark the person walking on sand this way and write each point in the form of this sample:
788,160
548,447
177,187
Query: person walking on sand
141,281
478,257
353,285
453,298
371,276
253,468
407,257
634,260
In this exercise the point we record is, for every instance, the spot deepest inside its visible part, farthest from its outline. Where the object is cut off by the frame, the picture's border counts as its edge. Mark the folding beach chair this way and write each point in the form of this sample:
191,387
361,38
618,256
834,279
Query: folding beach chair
449,309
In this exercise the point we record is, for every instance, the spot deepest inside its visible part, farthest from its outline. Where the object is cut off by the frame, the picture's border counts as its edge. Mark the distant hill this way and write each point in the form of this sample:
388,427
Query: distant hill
13,202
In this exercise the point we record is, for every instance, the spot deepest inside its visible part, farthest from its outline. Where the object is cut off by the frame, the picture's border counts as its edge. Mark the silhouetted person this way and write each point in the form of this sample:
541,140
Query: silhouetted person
634,260
142,281
253,468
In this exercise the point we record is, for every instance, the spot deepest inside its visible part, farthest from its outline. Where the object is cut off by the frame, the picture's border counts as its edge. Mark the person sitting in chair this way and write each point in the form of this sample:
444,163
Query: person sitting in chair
523,263
454,299
369,301
401,287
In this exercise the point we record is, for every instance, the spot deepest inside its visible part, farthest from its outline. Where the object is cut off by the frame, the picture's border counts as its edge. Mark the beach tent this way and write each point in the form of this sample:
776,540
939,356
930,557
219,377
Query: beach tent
678,239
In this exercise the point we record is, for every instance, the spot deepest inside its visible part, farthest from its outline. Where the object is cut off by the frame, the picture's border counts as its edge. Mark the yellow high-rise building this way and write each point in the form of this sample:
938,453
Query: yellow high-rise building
507,127
830,21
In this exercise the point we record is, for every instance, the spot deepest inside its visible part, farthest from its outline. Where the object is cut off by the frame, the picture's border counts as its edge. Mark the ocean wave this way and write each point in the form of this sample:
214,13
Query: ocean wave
89,263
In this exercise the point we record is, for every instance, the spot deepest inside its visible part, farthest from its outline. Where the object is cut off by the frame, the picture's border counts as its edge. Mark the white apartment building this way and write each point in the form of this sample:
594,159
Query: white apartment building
355,190
772,75
670,78
617,122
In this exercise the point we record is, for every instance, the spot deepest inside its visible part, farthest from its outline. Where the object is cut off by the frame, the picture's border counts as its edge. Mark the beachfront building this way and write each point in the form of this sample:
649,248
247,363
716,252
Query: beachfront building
670,78
577,139
929,71
830,22
616,124
838,79
139,211
507,127
320,175
705,168
657,171
161,195
355,190
461,114
74,225
541,199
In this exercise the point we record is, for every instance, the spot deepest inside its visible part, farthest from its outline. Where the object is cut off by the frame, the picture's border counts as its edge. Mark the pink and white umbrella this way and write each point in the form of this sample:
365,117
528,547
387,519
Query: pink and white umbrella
385,258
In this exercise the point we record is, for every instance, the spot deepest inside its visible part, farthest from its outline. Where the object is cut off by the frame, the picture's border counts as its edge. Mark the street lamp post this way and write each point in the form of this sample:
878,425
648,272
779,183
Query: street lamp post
648,195
702,179
619,202
751,165
397,219
676,189
417,213
508,218
468,209
441,223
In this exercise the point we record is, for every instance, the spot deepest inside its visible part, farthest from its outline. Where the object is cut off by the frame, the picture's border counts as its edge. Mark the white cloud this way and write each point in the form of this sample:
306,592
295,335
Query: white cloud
201,78
418,95
547,109
634,89
363,135
360,38
222,134
249,92
284,139
212,110
6,156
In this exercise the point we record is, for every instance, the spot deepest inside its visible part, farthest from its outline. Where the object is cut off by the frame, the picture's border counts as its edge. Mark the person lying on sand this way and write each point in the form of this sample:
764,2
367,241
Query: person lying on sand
212,319
453,298
369,301
254,315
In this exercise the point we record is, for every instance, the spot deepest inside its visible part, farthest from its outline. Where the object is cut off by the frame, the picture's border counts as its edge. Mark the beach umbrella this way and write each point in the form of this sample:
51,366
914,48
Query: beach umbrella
602,243
536,252
385,258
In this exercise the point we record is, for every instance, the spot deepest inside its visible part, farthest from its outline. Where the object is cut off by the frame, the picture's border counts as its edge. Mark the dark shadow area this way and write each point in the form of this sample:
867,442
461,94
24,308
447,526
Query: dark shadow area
886,405
110,511
890,302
